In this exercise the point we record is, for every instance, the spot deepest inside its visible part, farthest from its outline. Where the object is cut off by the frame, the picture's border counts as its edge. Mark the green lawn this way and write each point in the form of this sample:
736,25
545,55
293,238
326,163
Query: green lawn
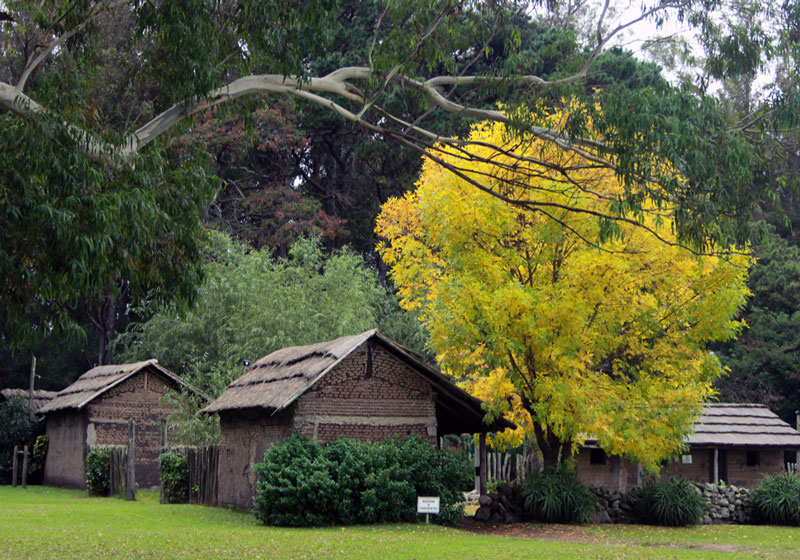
53,523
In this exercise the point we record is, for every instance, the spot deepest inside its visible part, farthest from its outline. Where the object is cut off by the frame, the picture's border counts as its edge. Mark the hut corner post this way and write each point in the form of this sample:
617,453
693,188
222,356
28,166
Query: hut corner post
716,466
130,473
797,453
483,473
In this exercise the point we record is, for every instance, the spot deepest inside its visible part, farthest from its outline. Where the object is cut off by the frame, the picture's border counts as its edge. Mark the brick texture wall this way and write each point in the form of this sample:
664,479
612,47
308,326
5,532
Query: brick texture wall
615,473
137,398
369,396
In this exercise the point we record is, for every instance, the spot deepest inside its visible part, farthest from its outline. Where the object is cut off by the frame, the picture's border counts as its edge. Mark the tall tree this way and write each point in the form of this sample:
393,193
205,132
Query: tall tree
570,336
251,303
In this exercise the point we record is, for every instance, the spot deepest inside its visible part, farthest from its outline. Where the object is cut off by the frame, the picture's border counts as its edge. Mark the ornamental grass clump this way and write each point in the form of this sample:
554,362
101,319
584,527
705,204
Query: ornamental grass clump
556,495
777,500
673,502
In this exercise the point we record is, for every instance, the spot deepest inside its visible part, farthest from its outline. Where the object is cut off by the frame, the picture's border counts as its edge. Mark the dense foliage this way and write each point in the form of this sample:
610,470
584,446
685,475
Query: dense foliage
776,500
98,463
251,304
16,428
302,483
672,502
556,495
174,472
564,333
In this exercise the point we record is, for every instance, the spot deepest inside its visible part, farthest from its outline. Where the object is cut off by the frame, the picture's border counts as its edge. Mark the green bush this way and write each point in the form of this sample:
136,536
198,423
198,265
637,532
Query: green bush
556,495
16,428
38,457
672,502
777,500
174,472
97,471
302,483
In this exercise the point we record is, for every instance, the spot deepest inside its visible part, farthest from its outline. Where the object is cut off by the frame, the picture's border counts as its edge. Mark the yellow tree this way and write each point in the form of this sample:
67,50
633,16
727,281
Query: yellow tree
568,324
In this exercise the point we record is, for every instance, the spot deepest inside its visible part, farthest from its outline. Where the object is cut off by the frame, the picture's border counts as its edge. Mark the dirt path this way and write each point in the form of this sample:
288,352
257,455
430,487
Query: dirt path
578,534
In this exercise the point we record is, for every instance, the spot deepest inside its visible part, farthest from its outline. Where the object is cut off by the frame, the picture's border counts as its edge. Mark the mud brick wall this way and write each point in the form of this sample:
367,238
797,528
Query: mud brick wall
66,450
369,396
614,473
137,398
244,438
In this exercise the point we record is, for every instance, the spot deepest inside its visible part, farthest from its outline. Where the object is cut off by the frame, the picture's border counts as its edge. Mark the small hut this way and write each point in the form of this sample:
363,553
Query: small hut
37,400
96,409
366,387
732,442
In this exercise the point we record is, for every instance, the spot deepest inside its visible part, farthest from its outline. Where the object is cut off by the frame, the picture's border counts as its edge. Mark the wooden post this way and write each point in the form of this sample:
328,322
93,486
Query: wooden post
130,473
25,468
716,466
482,445
14,468
30,386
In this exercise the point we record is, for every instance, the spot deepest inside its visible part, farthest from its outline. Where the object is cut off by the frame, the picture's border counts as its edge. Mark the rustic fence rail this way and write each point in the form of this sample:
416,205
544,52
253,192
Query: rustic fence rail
203,465
511,466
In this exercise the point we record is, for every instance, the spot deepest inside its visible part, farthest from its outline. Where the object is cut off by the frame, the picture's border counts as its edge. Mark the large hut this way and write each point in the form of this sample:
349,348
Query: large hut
96,409
364,386
735,443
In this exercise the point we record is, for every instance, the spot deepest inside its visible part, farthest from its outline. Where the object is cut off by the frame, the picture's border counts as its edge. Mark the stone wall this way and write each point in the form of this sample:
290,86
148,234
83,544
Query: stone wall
725,504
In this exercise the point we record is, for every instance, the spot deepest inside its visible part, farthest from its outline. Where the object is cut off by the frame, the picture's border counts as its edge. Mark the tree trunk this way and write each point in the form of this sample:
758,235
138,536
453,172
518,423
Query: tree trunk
107,319
553,450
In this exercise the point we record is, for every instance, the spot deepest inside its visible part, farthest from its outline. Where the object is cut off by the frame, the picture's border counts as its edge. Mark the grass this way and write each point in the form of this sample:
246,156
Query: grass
54,523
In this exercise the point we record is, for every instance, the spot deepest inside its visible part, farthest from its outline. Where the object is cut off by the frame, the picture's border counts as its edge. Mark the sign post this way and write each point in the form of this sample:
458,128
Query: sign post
428,505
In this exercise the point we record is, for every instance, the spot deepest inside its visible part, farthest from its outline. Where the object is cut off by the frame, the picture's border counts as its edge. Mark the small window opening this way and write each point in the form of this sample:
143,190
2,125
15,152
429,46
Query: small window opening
597,457
753,459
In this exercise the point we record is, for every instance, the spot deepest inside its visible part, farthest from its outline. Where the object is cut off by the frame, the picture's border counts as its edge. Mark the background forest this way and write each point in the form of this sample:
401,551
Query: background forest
261,231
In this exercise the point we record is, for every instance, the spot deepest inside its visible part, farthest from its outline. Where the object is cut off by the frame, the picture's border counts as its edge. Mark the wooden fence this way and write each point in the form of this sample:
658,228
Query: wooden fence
203,464
117,468
510,466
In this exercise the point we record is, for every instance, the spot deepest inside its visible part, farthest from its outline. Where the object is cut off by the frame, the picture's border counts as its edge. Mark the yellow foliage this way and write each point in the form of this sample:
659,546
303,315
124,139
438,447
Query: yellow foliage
527,306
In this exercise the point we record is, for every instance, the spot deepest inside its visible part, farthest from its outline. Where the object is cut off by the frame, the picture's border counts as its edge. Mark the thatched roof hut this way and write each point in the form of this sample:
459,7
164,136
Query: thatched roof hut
277,380
40,398
100,379
364,386
741,425
96,410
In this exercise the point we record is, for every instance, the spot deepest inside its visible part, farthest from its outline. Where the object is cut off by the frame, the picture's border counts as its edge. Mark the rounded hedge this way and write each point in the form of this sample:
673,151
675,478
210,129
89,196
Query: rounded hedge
303,483
672,502
556,495
174,472
97,471
777,500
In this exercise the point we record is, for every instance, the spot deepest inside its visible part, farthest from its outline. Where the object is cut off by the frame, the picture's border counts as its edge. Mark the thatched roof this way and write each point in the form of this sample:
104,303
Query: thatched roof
277,380
742,425
40,398
100,379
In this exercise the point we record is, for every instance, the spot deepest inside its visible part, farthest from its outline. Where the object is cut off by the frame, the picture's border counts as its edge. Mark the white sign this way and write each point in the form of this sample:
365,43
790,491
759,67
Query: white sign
427,504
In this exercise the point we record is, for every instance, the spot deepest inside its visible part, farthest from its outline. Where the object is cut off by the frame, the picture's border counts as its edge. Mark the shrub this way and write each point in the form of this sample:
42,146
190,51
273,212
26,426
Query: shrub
97,471
174,473
672,502
302,483
556,495
777,500
16,428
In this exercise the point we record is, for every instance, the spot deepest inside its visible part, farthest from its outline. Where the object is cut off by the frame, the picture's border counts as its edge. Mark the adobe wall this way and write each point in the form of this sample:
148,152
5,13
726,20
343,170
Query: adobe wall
138,398
615,473
244,438
369,396
66,449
